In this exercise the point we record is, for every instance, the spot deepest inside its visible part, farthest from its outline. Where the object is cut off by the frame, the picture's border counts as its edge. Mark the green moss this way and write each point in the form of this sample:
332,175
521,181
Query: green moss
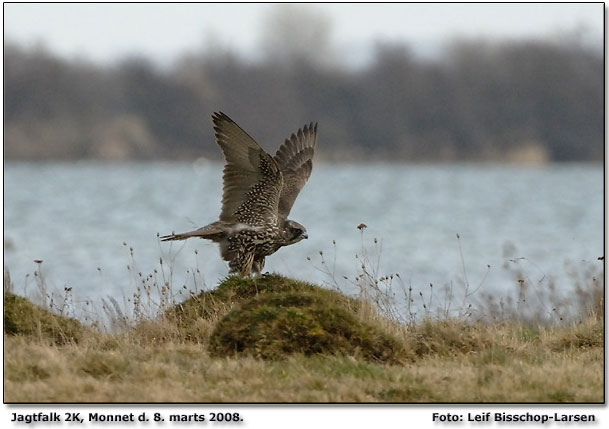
272,317
309,322
213,305
243,287
236,289
21,317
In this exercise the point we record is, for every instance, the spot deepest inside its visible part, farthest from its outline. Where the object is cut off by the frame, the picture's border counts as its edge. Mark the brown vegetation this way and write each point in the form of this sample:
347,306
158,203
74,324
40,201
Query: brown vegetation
272,339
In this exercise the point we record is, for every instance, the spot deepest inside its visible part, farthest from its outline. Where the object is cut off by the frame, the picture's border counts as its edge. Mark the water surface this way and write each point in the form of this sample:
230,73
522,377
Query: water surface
76,217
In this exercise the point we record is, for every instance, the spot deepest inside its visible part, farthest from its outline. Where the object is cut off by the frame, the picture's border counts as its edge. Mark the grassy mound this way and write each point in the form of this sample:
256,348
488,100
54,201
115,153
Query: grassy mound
272,317
273,326
193,318
234,290
21,317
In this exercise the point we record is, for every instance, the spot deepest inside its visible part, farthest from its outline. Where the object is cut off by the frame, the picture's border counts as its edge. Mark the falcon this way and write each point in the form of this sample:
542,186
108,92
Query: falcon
259,191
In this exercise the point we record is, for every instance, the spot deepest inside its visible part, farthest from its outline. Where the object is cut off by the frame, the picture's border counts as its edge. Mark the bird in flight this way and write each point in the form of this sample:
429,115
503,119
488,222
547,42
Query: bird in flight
258,193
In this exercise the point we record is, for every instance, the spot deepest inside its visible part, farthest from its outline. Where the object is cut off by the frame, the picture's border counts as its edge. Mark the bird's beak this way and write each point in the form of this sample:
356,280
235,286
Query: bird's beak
305,236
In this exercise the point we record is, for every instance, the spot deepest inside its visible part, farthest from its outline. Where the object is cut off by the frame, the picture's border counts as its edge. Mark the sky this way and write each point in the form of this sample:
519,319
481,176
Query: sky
109,31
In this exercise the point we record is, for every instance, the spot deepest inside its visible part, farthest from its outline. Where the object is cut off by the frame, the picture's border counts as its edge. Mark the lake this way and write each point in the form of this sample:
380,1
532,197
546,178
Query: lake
540,223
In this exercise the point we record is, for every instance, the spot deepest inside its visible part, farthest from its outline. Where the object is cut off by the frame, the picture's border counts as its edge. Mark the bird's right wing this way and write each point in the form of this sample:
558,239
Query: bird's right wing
252,179
295,160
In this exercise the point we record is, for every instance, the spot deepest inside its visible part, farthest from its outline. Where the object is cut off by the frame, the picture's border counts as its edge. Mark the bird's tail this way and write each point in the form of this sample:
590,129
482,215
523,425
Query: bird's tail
183,236
212,231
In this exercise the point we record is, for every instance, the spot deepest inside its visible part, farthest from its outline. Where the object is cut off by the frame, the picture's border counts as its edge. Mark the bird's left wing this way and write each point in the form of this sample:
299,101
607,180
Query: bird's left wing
295,160
252,179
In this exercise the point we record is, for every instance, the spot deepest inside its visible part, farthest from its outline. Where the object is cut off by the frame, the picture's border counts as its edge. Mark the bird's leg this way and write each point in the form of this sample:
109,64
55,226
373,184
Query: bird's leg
242,263
258,265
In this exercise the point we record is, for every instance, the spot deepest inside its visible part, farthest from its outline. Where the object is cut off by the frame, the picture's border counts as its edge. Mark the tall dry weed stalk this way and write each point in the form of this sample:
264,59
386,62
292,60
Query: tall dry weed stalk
534,299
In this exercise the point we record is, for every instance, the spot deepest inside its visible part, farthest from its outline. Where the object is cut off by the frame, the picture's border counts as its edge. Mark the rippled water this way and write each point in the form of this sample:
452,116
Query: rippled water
75,217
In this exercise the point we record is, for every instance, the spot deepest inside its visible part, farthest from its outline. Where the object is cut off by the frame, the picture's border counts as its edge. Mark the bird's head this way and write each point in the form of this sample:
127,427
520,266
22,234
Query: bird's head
293,231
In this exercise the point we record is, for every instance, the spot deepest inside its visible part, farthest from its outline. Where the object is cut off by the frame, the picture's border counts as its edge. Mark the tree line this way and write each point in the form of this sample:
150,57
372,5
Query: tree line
527,100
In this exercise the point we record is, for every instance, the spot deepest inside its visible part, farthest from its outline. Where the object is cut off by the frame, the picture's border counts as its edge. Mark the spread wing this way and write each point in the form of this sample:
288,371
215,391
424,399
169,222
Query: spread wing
295,160
252,178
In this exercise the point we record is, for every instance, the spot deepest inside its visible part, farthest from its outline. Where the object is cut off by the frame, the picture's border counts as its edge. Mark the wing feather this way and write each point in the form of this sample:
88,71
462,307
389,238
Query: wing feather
295,160
252,179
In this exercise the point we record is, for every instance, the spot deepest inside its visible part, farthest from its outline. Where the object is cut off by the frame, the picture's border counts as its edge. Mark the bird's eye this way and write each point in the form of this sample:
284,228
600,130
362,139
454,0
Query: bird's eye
296,231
